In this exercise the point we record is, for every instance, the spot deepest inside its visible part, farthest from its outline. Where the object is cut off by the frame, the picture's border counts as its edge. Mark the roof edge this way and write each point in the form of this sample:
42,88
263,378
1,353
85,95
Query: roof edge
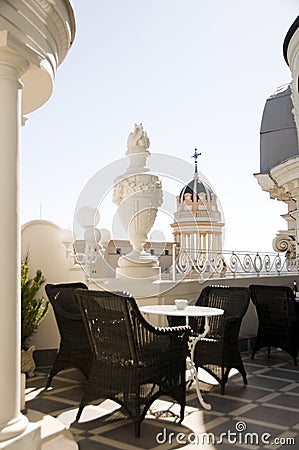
289,35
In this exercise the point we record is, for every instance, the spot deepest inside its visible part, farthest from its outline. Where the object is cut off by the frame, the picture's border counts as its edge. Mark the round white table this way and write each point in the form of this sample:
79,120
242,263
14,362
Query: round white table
189,311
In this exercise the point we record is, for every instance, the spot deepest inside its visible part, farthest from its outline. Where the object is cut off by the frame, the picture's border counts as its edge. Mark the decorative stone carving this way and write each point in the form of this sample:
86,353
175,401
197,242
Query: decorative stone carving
138,139
59,23
282,183
283,243
138,195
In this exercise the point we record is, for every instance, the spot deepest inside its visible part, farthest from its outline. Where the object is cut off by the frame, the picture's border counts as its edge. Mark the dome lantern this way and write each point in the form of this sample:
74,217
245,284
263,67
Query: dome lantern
198,224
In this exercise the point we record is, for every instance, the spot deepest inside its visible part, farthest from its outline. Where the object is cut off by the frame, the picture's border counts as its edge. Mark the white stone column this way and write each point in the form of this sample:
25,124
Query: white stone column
209,246
180,239
189,243
214,246
195,244
204,243
183,237
198,245
218,243
192,246
12,66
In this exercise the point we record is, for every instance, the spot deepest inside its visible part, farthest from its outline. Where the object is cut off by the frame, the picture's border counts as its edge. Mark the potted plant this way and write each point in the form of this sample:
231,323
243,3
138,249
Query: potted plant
33,310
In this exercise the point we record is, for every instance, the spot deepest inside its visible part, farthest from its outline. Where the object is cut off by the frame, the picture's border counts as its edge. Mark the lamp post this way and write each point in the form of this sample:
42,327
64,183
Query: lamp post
95,240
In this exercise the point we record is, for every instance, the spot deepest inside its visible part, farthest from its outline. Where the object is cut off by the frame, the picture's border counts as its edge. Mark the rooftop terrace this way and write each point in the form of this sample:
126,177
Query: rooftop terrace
263,414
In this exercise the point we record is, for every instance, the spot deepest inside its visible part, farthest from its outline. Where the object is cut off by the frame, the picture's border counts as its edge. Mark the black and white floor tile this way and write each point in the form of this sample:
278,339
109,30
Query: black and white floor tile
263,414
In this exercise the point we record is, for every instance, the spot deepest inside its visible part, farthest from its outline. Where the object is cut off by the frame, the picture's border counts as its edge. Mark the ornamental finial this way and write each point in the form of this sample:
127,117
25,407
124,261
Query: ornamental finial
138,138
195,156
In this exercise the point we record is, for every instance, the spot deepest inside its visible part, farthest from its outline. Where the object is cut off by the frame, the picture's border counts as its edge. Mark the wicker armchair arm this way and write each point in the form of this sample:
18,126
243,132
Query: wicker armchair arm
160,330
164,343
196,323
163,336
155,341
172,330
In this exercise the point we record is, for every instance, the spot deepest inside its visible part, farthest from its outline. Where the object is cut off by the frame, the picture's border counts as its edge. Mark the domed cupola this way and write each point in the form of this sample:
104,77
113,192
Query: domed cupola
196,190
193,190
198,222
279,138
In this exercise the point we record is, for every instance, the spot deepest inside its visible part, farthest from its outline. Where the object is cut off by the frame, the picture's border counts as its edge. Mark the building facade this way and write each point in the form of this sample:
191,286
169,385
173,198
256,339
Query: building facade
279,150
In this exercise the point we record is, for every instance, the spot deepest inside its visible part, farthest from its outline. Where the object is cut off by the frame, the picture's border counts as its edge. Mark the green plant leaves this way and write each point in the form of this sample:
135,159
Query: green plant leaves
33,309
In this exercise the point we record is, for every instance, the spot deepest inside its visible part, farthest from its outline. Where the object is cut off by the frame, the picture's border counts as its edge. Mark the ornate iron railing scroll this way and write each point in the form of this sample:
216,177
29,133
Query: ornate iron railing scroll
233,264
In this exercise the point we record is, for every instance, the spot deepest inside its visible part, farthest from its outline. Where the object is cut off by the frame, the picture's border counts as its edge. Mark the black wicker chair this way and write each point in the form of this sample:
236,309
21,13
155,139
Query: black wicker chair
218,352
134,363
74,349
278,325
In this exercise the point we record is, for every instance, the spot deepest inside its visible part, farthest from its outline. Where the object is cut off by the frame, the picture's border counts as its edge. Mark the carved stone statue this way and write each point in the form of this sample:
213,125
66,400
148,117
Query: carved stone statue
138,138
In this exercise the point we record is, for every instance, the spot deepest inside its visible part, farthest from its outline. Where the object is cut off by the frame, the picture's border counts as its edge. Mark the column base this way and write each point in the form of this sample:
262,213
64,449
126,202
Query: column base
29,438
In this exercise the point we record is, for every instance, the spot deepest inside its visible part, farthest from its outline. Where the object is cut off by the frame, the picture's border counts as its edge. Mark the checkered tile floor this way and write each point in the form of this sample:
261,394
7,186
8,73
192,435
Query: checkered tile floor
263,414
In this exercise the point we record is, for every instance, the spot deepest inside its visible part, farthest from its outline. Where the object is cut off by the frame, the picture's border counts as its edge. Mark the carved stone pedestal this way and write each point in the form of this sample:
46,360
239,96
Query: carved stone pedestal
138,194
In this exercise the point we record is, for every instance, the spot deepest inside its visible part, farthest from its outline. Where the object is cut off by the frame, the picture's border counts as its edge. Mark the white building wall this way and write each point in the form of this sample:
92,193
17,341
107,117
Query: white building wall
43,241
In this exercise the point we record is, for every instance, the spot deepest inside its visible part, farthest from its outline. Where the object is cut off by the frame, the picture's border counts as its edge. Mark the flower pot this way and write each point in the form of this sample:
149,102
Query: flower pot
27,361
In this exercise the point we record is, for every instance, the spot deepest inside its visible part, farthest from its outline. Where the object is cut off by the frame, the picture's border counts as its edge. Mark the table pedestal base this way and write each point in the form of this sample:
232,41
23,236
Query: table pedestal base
193,376
193,379
189,311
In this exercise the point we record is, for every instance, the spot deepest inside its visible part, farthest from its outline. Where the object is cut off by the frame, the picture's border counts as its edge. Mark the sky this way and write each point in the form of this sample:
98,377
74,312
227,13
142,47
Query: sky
195,73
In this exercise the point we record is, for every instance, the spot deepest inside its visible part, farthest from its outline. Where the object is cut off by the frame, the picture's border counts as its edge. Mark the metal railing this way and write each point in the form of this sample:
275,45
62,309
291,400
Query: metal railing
231,264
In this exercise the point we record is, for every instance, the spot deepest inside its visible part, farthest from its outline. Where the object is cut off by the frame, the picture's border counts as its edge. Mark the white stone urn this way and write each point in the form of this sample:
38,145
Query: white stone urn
138,194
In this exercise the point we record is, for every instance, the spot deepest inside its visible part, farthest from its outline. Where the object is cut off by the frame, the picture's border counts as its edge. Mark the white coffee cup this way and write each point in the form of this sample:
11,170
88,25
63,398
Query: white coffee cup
181,303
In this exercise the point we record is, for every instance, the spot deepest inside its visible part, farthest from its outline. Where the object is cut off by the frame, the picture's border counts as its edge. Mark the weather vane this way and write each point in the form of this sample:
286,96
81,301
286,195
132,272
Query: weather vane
195,156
